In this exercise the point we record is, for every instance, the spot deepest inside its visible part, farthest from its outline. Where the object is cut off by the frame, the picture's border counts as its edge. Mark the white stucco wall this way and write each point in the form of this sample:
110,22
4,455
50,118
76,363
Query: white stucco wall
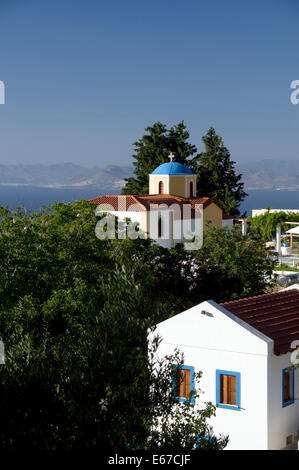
173,229
223,342
282,421
229,223
135,216
167,227
187,228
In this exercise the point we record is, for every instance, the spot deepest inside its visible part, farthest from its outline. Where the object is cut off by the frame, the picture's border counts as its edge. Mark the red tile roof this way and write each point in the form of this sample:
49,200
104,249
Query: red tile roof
275,315
119,203
143,202
227,217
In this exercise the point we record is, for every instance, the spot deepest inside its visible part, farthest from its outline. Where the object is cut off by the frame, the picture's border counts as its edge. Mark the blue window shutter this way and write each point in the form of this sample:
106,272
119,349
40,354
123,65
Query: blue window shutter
291,385
191,368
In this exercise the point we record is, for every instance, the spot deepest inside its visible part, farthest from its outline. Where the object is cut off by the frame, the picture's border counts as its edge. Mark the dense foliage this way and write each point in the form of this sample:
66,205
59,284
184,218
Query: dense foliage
217,177
75,314
231,266
153,149
266,223
216,173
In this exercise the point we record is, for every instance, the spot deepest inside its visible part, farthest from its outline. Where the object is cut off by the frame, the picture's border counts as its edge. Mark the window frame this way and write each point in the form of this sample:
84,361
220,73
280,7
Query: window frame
237,406
191,369
292,388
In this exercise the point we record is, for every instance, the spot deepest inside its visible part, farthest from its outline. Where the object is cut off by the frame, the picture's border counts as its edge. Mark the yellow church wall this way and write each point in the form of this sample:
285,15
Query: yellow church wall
177,185
144,226
154,183
213,214
191,178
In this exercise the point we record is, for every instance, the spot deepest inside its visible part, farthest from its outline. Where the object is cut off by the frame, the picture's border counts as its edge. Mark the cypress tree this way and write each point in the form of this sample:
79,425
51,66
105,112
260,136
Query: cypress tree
153,149
217,177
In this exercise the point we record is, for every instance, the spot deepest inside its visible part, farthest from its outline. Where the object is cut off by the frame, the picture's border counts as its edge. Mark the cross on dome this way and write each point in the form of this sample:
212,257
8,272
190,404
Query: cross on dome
171,157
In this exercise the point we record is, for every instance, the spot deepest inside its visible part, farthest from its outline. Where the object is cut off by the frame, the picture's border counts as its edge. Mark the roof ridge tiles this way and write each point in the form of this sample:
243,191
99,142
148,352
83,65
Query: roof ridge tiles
262,306
284,292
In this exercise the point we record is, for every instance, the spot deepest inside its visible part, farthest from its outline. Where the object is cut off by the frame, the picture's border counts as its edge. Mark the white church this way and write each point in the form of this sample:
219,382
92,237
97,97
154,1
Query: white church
172,212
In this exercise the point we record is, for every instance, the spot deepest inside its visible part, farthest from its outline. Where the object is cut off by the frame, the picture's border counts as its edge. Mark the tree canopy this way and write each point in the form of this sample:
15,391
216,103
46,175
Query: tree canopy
79,372
230,266
266,223
153,149
217,177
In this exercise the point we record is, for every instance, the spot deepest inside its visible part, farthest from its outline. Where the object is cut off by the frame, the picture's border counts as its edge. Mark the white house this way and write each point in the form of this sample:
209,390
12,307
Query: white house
244,349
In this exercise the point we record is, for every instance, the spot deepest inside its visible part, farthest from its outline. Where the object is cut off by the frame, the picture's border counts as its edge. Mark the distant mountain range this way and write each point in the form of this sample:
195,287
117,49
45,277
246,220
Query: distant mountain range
264,174
270,174
66,175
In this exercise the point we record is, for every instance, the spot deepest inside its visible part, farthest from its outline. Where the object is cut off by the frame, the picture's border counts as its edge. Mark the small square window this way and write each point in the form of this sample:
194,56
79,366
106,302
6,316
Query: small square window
228,389
287,387
183,383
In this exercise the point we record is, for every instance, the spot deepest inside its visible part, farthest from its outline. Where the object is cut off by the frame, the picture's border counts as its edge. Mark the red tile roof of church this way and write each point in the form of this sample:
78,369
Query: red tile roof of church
143,202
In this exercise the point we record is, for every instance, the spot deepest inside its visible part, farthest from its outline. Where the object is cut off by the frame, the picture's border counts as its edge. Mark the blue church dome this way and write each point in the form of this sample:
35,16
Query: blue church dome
172,168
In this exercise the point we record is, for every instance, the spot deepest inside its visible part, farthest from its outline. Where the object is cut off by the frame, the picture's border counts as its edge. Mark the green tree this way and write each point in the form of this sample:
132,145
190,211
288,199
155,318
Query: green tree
217,178
184,425
229,266
266,223
79,372
153,149
75,312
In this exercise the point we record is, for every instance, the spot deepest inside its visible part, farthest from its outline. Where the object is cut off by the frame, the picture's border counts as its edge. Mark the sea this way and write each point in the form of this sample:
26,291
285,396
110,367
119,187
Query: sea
33,198
263,198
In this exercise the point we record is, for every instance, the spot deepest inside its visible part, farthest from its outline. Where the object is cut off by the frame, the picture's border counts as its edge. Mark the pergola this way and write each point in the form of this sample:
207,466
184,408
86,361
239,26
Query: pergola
292,231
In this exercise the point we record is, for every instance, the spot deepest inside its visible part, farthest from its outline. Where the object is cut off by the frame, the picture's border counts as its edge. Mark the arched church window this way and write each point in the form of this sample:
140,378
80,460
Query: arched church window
191,189
161,187
160,226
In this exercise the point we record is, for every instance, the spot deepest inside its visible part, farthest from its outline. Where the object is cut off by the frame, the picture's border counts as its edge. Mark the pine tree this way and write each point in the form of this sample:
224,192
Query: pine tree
153,149
217,178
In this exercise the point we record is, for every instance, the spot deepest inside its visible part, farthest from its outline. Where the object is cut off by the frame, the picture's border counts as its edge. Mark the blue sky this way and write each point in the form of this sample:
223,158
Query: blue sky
84,78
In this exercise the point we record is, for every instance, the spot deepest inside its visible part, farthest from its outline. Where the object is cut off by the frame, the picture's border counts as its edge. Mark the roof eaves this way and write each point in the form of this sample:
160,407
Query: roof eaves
138,202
